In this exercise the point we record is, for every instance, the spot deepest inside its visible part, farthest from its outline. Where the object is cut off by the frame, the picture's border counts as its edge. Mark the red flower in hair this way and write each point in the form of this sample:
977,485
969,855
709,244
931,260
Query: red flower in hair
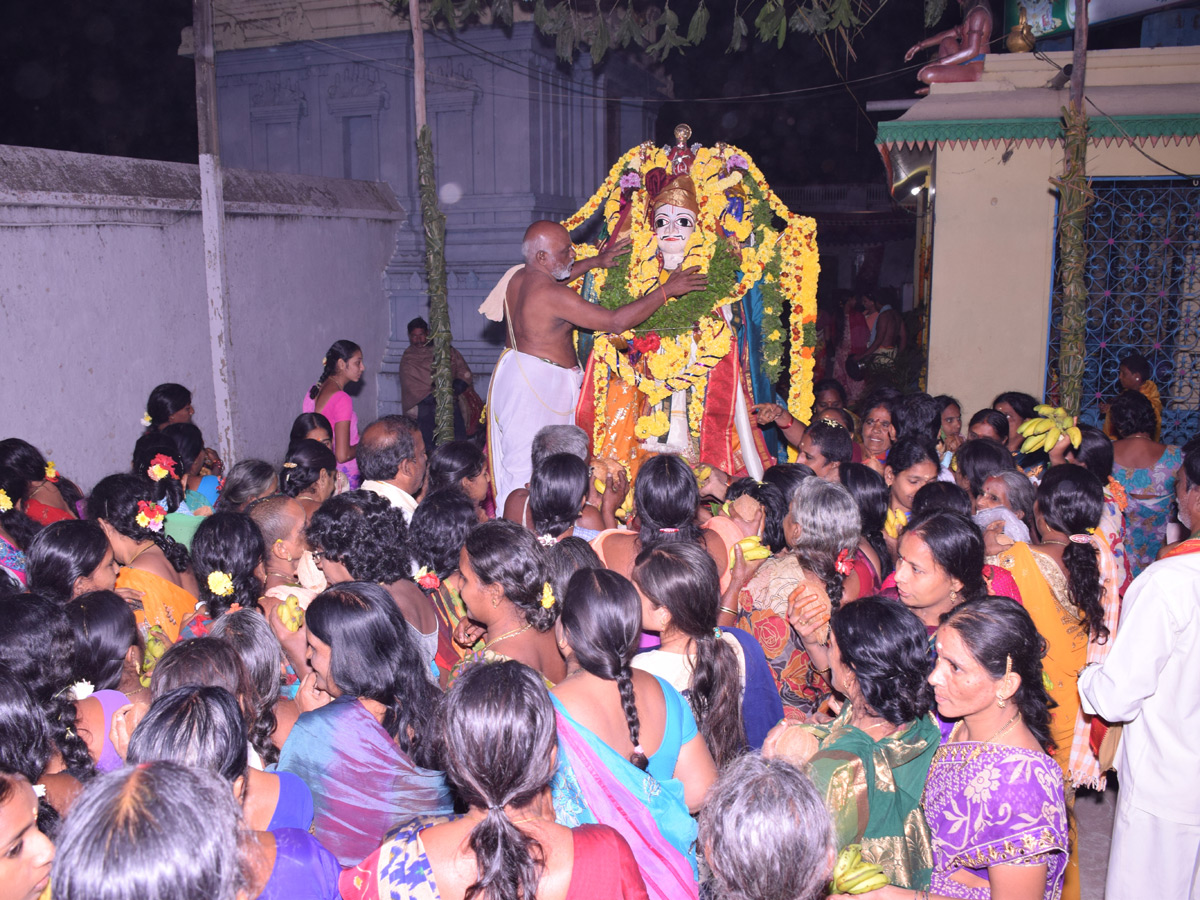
160,467
428,580
843,565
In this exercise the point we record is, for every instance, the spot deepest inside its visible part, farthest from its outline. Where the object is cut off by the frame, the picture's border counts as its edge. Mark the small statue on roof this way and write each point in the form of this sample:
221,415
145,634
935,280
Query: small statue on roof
960,50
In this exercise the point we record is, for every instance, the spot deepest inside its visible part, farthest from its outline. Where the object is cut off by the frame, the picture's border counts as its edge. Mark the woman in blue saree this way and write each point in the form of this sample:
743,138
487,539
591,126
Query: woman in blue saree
364,753
629,752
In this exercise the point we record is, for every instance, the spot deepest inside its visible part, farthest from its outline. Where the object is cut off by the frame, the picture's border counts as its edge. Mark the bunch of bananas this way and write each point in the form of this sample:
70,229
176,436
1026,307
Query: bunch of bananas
854,875
752,549
156,646
290,613
1044,432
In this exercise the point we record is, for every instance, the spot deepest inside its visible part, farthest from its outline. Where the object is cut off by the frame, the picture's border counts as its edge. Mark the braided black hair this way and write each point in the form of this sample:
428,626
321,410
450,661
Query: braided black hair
684,579
1071,500
38,644
231,544
338,350
602,618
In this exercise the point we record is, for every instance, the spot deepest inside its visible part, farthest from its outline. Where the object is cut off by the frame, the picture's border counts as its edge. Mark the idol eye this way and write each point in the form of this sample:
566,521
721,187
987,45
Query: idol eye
661,222
685,222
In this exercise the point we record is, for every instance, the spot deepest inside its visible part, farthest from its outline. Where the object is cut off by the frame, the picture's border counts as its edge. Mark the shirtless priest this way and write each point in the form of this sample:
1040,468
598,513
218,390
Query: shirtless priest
536,382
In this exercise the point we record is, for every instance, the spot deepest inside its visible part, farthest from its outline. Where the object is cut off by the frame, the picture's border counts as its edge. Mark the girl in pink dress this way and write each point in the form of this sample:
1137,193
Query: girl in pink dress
343,364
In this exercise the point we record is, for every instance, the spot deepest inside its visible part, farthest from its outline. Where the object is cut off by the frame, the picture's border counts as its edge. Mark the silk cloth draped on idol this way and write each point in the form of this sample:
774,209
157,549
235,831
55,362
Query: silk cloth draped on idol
684,380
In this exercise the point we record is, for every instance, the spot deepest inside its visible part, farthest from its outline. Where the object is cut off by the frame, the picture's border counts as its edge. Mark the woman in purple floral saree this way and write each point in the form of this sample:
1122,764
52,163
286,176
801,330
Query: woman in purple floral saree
994,798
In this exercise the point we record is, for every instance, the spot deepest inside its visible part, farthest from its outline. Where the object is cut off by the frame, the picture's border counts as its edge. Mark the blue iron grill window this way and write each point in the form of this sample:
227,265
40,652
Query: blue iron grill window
1143,282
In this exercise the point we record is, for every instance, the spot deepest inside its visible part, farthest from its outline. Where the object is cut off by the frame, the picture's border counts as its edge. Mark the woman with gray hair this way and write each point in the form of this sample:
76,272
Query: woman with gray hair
1012,490
765,832
800,588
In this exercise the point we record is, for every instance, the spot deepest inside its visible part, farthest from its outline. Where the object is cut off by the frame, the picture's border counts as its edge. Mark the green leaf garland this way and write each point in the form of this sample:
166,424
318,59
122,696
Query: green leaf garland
682,313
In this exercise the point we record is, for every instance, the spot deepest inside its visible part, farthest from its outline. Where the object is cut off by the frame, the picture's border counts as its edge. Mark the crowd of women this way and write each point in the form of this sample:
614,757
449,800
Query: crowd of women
271,682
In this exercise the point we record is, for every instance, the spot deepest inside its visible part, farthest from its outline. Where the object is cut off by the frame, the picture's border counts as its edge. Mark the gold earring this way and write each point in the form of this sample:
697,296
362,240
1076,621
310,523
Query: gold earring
953,596
1000,701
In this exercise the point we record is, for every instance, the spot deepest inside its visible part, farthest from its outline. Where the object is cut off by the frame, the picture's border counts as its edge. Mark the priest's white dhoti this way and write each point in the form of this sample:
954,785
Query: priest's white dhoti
526,394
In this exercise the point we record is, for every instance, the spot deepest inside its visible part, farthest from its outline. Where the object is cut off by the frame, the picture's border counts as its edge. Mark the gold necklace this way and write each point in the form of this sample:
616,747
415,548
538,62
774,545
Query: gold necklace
139,553
1003,730
506,636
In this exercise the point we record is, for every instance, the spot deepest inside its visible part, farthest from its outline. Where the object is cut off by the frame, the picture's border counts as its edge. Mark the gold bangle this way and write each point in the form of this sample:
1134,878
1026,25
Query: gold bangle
726,609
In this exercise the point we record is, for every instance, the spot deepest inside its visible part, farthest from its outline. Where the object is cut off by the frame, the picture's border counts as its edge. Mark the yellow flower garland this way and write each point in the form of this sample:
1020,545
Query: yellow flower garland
671,368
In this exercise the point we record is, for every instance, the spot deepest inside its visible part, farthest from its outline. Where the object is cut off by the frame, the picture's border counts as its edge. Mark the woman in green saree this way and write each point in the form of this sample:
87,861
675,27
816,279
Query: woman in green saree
872,760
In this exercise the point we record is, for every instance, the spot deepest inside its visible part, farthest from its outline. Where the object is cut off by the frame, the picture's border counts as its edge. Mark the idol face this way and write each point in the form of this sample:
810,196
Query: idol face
673,225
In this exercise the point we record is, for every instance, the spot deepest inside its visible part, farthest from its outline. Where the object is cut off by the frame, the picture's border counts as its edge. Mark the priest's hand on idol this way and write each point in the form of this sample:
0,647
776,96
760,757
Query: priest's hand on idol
684,281
611,250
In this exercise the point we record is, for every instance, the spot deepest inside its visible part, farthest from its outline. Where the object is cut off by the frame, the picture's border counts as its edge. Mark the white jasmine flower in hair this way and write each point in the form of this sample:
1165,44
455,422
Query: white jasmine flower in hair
39,790
82,689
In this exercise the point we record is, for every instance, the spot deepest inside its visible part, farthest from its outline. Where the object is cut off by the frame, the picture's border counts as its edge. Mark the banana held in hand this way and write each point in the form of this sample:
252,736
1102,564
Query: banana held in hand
752,549
1044,432
1034,426
155,648
290,613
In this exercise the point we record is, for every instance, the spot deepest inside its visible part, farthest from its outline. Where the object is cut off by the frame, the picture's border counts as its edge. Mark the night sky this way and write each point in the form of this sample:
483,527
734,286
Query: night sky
106,78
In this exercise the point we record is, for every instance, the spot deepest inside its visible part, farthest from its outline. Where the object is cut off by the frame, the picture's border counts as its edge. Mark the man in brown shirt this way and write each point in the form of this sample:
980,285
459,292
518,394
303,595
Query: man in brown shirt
416,381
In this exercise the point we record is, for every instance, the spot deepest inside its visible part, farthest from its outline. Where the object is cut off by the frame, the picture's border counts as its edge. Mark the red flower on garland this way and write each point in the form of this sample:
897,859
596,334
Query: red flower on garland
647,344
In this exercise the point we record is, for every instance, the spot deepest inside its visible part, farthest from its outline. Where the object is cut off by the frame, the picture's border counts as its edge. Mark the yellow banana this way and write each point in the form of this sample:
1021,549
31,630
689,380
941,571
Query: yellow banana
1052,437
1041,426
290,613
851,855
842,866
1043,409
155,648
752,549
1075,435
874,883
599,485
1034,440
856,876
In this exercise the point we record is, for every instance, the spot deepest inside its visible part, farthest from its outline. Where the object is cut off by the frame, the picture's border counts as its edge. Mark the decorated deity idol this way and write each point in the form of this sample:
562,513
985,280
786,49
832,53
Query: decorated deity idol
684,381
